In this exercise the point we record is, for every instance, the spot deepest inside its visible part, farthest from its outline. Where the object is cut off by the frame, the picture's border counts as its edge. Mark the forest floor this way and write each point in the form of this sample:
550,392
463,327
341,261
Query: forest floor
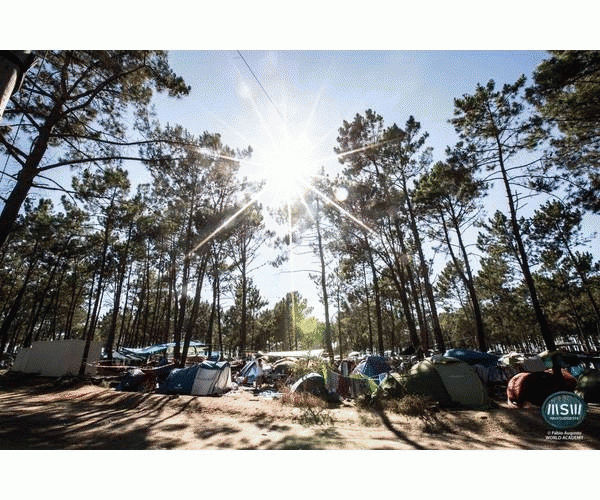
39,414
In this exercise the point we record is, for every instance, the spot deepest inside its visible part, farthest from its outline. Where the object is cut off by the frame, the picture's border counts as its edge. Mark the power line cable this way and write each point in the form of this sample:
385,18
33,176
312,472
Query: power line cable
260,84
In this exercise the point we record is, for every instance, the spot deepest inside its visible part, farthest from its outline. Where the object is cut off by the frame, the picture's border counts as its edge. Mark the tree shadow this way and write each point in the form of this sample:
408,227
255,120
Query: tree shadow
379,410
102,420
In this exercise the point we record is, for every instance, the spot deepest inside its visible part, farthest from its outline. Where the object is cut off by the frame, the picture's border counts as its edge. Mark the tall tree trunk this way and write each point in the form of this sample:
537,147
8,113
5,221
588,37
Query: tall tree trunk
412,290
424,269
213,310
77,293
40,306
219,329
339,321
171,294
327,330
184,283
145,337
117,299
56,304
392,331
376,293
14,309
583,278
467,279
100,288
27,174
125,315
399,281
524,261
192,323
368,304
243,312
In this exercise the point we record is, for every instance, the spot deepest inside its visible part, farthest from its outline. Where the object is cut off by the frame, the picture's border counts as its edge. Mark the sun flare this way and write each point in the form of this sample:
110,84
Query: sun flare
281,167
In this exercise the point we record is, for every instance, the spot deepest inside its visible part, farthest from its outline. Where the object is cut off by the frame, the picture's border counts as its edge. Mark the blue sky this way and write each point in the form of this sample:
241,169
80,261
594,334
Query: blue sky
315,91
336,85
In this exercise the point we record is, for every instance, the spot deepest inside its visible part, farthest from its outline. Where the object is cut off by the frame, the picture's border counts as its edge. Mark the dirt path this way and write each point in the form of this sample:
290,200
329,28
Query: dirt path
91,417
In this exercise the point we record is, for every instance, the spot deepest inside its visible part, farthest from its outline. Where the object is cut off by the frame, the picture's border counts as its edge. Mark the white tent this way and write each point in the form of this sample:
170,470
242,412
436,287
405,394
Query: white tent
212,378
251,371
56,358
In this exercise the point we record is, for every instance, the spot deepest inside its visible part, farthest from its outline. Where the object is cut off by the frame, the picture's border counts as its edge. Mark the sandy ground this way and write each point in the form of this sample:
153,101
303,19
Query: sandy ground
41,416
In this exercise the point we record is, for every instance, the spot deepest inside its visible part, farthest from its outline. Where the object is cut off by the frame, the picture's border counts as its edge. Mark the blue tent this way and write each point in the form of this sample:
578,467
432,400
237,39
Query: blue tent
472,357
205,379
372,367
181,380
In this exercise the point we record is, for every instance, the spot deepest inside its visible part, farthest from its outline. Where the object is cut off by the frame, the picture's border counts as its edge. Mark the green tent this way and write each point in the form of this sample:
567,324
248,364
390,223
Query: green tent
449,381
588,387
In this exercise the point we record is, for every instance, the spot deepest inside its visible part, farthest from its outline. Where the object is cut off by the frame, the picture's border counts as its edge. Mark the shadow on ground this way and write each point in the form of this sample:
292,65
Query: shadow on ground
102,420
34,417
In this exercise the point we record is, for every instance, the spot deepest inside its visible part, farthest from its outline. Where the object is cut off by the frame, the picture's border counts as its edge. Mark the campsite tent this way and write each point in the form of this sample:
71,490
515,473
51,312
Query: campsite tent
527,363
181,380
392,385
250,372
57,358
282,369
204,379
213,377
449,381
588,387
313,383
372,366
472,357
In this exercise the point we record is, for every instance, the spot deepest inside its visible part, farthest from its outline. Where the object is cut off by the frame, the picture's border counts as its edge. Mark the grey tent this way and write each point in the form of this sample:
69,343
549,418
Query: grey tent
312,383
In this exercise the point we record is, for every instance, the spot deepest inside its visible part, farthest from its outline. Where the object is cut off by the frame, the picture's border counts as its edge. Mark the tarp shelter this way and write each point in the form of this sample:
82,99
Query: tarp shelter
125,358
313,353
146,352
449,381
473,357
57,358
372,367
205,379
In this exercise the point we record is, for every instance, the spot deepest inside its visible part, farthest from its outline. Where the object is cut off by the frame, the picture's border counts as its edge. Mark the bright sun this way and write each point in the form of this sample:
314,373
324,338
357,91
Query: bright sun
284,167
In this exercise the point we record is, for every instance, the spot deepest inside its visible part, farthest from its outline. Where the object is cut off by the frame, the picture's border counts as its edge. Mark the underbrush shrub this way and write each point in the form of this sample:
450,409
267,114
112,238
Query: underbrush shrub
315,416
364,402
314,411
409,405
421,407
302,400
